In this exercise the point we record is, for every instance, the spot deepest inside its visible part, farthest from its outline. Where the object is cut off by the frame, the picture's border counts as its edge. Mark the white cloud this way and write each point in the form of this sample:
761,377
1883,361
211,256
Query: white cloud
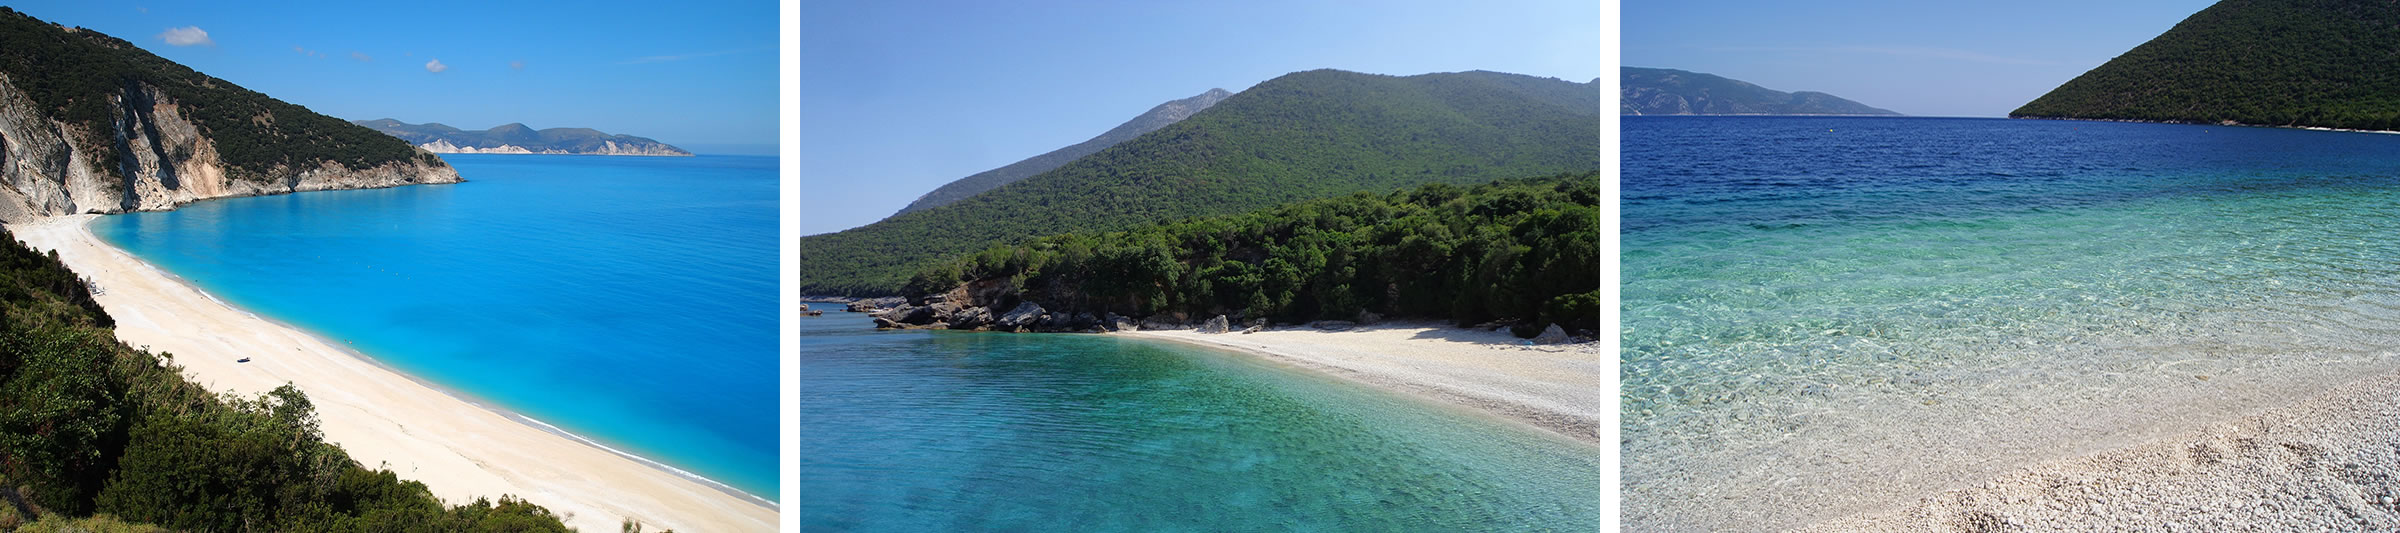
435,66
187,36
517,65
361,56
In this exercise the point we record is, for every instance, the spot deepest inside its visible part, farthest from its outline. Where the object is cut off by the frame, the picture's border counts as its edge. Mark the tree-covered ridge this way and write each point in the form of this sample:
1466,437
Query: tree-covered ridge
95,432
2325,63
1301,136
1525,252
1659,91
1157,117
74,73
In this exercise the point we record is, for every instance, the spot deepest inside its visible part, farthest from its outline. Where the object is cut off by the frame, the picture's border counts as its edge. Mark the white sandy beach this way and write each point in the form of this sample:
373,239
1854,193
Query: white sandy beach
2328,463
1556,388
458,449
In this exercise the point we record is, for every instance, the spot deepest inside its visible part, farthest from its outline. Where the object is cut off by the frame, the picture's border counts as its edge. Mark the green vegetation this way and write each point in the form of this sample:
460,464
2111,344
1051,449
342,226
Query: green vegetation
95,435
74,73
1659,91
1520,251
1157,117
1298,137
2325,63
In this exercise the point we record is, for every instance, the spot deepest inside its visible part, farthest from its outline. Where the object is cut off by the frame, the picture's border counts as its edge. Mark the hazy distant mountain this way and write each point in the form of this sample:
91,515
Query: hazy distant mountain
514,138
1157,117
1658,91
2329,63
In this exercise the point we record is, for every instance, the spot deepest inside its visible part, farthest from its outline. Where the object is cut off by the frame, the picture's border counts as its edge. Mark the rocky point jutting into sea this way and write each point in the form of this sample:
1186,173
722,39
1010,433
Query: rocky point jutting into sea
161,160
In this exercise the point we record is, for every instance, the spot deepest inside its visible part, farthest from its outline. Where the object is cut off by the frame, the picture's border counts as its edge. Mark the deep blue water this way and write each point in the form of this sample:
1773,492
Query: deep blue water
630,300
1807,300
971,431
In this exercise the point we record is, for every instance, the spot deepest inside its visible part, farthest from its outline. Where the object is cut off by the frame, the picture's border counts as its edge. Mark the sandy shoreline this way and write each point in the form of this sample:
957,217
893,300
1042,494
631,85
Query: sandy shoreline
459,449
1553,388
2327,463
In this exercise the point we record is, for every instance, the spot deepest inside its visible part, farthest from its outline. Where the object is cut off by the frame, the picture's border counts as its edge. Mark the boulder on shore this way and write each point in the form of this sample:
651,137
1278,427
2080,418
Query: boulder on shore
971,318
1551,335
1025,315
1215,325
913,315
886,323
1332,325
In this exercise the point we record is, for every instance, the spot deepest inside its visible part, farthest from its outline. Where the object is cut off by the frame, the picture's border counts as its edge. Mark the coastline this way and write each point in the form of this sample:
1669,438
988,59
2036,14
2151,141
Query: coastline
1553,388
2321,463
458,447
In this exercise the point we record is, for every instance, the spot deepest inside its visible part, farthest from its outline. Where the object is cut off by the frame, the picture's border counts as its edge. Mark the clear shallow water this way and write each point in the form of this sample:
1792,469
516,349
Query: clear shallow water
964,431
1830,296
631,300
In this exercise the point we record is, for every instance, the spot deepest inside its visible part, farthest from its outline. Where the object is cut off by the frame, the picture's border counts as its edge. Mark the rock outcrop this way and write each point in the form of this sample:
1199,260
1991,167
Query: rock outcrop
1551,335
1216,325
1026,315
164,160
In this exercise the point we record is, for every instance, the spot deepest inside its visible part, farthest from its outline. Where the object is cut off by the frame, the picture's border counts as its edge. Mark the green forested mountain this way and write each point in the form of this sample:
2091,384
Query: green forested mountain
73,72
2329,63
1659,91
1158,117
1301,136
89,426
1525,251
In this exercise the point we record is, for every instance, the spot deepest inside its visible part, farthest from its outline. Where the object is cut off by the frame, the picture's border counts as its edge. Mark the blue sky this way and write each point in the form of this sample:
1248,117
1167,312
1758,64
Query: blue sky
1917,57
702,75
898,98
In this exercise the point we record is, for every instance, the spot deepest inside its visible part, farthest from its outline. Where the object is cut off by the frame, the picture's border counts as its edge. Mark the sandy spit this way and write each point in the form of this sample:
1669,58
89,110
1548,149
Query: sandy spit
2327,463
459,449
1555,388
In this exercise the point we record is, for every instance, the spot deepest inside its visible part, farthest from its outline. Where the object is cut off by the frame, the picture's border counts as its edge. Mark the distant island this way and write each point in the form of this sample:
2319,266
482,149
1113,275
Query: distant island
1158,117
2327,64
515,138
1659,91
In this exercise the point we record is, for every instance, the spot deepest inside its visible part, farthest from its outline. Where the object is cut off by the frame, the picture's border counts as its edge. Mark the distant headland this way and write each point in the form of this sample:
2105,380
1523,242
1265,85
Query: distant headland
515,138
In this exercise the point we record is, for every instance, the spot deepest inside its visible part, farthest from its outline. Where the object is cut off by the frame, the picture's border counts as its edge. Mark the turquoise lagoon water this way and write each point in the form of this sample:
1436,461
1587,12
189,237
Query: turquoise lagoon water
966,431
1824,315
629,300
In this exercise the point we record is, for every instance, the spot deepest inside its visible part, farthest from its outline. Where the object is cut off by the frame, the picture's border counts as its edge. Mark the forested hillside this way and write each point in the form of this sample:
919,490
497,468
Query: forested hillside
90,426
2326,63
1301,136
1525,252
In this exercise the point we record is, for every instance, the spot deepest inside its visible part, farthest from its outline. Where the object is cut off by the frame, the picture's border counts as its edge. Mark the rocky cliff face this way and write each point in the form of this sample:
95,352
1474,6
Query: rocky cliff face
159,157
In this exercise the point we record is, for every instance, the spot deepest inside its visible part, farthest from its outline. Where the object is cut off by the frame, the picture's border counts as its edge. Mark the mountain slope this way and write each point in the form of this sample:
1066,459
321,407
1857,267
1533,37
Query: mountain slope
514,138
1158,117
1296,137
1658,91
92,123
2329,63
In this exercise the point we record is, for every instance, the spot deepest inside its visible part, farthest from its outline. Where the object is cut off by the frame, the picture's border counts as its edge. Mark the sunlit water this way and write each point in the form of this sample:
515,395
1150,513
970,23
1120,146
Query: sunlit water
1826,315
630,300
967,431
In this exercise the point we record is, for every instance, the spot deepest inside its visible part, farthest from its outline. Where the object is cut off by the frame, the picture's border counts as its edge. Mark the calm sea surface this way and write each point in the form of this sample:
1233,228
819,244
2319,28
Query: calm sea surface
630,300
1826,315
965,431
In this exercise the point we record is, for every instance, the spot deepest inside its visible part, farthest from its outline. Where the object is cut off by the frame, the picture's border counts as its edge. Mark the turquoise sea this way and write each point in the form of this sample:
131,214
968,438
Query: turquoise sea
974,431
1822,315
628,300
